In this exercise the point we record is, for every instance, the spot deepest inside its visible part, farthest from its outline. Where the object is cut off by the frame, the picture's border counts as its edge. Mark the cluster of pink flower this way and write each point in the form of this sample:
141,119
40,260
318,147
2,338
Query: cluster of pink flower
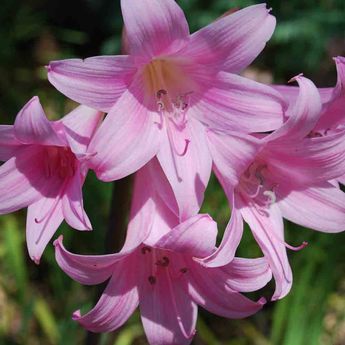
176,110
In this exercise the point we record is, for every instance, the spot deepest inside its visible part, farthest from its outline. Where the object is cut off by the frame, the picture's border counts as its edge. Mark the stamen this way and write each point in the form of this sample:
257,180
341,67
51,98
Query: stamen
161,93
152,280
272,198
173,145
145,250
256,193
164,262
179,319
296,249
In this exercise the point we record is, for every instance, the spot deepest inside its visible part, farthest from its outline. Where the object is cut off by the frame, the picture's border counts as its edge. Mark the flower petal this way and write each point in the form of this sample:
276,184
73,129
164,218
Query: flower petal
73,205
43,219
208,287
234,41
79,127
127,139
23,182
116,305
323,207
333,112
303,115
231,239
8,142
228,104
188,174
86,269
167,312
308,162
248,275
154,27
97,82
268,230
143,210
32,126
232,154
195,236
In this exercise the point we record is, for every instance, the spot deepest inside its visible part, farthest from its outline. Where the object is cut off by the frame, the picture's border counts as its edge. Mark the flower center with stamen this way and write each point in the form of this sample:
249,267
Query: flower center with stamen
60,162
257,187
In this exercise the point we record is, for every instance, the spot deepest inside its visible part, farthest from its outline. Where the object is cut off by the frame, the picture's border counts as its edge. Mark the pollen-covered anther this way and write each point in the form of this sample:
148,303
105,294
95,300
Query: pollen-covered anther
145,250
163,262
152,280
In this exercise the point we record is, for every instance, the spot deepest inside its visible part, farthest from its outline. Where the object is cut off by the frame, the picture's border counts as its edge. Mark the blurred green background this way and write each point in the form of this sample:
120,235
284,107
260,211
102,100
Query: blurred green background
36,302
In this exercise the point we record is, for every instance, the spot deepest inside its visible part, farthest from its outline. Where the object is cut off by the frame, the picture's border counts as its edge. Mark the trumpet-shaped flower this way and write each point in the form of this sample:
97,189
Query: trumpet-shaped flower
285,174
45,170
157,270
332,119
170,87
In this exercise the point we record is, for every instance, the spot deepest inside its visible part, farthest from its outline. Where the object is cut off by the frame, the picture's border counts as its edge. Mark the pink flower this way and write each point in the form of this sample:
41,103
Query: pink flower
159,273
332,119
170,87
44,170
285,175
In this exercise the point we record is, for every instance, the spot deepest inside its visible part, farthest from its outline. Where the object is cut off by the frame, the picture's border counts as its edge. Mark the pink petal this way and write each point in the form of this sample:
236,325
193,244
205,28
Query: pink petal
97,82
291,93
268,230
127,139
310,161
73,205
154,27
321,207
303,115
227,104
43,219
163,221
248,274
32,126
161,185
79,127
231,239
86,269
208,288
8,142
195,236
333,112
167,312
143,211
23,182
234,41
232,154
116,305
188,174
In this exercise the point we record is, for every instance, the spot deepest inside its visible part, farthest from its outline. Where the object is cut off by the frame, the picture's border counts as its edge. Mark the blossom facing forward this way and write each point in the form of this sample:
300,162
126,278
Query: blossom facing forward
171,87
45,170
284,174
157,270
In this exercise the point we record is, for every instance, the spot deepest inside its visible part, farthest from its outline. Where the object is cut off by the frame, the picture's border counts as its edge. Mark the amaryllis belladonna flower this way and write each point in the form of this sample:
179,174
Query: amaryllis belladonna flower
285,174
45,170
157,270
332,118
170,87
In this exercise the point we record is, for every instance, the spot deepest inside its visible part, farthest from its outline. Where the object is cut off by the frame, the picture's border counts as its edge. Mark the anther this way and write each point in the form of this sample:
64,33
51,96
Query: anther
161,93
152,280
145,250
163,262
